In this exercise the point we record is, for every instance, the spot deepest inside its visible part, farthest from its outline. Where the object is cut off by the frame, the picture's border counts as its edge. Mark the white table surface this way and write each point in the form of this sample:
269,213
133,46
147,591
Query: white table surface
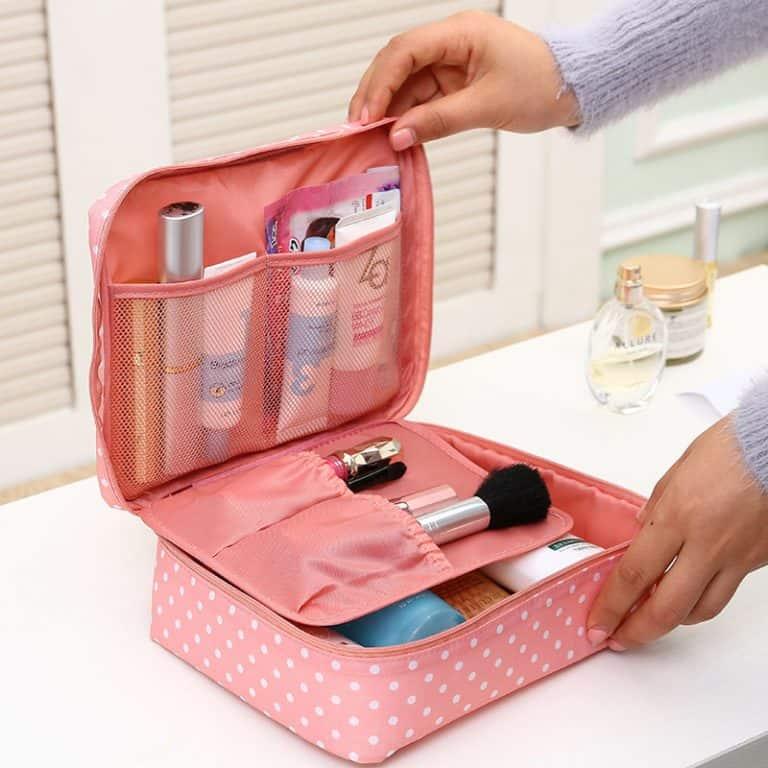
81,684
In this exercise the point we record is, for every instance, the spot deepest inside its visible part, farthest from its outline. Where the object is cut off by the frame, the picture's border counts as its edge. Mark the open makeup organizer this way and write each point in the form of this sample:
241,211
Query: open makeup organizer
258,539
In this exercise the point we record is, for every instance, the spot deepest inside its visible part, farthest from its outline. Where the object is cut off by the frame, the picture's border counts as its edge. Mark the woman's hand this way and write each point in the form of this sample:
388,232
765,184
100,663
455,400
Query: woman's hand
472,70
708,517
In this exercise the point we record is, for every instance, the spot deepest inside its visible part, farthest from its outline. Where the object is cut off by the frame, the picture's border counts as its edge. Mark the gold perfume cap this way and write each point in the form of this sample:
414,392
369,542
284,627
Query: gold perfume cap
629,283
671,282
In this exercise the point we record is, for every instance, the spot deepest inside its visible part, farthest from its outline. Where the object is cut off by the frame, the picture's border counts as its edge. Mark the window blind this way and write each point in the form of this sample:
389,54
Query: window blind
244,73
35,376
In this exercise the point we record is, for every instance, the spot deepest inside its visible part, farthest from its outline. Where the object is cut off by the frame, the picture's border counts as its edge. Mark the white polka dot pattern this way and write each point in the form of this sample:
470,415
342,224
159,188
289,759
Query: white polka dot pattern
363,708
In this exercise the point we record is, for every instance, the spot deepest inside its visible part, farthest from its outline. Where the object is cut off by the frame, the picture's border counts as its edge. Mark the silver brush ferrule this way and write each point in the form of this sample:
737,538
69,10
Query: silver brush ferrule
456,520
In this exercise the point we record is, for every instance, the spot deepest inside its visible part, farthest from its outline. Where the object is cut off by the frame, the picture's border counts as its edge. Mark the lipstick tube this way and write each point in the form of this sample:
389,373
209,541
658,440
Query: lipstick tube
348,463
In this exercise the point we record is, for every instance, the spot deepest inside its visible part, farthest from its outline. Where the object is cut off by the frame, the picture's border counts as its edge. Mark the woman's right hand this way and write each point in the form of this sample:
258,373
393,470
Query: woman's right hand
471,70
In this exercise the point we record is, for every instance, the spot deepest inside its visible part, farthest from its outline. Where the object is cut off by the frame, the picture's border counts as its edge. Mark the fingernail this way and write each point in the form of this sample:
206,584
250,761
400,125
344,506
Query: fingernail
597,635
614,646
403,139
364,114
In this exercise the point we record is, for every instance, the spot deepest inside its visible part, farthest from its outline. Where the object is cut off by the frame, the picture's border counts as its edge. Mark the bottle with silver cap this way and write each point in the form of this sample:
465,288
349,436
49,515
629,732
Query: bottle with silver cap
706,239
181,242
181,258
627,346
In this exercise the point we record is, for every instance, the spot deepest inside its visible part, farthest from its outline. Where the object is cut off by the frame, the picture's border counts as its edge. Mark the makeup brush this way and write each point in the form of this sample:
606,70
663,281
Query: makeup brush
514,495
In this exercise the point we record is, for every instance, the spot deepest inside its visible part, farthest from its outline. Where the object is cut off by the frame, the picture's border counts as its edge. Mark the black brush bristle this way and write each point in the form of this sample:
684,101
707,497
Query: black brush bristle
515,495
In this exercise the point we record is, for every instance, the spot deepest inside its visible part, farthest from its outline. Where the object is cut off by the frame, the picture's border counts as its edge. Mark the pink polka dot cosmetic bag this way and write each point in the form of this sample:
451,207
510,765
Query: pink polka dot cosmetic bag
214,426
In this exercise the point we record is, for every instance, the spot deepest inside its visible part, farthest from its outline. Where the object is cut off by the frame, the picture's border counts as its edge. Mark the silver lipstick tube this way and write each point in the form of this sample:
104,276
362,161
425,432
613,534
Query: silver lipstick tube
456,520
181,242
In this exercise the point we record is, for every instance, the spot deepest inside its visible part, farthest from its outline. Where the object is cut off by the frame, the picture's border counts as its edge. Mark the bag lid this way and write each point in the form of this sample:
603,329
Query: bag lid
161,423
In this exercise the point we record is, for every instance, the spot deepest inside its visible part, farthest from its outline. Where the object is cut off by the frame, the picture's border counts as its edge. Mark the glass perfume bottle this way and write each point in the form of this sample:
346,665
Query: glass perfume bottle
627,346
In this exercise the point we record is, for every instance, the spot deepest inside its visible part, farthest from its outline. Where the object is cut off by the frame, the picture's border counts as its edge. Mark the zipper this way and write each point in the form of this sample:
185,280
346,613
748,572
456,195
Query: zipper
289,628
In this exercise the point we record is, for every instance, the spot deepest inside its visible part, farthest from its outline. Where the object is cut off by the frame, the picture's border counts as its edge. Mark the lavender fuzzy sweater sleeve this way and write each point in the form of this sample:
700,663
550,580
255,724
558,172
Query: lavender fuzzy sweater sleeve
639,51
642,50
751,424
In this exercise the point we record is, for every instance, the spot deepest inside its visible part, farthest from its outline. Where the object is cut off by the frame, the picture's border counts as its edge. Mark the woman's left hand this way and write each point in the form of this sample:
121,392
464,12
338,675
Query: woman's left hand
709,519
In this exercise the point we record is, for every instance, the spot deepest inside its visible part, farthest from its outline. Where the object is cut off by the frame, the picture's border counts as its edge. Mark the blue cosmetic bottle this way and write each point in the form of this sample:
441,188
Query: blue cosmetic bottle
414,618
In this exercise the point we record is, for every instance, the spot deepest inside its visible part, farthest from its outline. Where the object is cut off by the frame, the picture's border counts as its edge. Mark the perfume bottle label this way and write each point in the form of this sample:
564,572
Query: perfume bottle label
639,332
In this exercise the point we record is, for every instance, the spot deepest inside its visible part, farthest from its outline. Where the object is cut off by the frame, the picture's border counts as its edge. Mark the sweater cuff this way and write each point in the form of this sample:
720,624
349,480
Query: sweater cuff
751,425
636,53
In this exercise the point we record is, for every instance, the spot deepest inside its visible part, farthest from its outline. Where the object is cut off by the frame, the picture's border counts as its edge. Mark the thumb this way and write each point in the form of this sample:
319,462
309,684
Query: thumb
444,116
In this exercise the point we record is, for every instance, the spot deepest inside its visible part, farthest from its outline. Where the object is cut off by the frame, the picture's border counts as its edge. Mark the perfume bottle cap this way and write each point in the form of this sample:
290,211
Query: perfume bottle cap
707,231
629,283
181,241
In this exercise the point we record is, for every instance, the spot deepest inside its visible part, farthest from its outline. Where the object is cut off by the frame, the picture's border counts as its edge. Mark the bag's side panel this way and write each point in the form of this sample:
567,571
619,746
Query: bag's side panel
364,708
98,215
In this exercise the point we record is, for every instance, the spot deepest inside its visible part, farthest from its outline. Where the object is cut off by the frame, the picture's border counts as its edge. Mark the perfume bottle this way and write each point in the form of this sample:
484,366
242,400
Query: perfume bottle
627,346
707,234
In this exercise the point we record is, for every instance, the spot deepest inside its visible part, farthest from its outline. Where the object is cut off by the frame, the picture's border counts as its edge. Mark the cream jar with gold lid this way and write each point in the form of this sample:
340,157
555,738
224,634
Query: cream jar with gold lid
677,285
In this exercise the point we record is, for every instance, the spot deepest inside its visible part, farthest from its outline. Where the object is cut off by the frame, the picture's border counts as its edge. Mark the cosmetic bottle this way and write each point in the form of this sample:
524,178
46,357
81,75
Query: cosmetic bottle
706,238
627,346
518,573
328,635
309,348
677,285
364,372
419,616
181,259
225,333
471,594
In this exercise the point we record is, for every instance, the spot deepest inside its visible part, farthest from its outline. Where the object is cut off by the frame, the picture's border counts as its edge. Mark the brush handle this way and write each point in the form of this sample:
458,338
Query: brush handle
456,520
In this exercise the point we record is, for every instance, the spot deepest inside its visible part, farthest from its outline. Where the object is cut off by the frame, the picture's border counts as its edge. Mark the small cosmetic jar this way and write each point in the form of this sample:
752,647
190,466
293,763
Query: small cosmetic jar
677,285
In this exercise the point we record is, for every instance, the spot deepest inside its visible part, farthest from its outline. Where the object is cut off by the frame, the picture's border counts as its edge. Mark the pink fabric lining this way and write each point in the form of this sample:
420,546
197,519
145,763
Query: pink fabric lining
222,522
220,513
233,190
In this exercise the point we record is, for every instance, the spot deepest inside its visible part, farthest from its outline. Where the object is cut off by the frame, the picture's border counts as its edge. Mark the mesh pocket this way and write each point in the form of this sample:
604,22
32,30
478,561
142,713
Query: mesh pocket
186,379
279,354
333,341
